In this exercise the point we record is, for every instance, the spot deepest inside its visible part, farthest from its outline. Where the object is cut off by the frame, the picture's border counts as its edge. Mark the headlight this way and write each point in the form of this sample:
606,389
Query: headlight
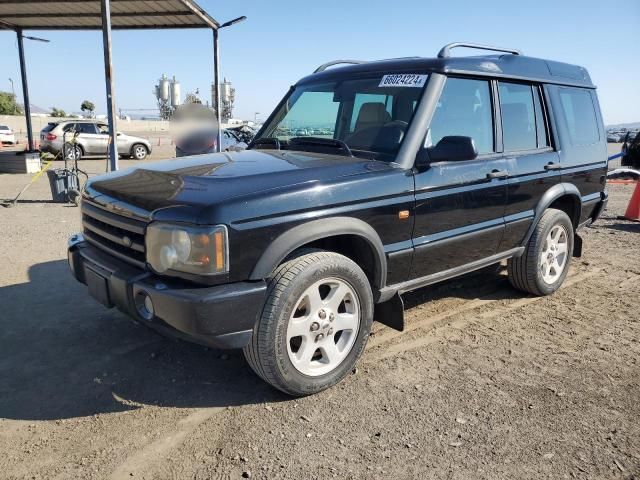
197,250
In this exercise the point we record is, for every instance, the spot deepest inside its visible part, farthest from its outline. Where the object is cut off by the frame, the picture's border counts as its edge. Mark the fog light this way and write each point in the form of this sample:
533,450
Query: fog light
144,305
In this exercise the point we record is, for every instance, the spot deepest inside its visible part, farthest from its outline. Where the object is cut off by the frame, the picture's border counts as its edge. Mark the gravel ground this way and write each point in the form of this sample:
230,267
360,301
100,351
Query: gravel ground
486,383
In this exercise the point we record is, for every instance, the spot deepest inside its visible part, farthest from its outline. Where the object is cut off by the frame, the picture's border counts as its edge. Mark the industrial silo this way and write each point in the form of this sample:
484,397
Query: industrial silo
175,93
163,88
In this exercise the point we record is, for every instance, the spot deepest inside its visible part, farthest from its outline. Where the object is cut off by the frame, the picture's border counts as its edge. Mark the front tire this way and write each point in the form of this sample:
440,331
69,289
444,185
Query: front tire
139,152
545,262
314,325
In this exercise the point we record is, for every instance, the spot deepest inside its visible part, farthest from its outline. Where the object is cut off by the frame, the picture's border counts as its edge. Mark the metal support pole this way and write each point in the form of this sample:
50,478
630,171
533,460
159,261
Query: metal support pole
108,77
216,77
25,90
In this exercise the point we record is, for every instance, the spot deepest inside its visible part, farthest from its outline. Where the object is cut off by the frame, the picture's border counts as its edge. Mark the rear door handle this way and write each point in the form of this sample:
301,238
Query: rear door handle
497,174
552,166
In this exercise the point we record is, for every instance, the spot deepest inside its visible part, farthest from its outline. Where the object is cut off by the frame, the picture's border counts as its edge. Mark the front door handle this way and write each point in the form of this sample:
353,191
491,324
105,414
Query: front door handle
552,166
497,174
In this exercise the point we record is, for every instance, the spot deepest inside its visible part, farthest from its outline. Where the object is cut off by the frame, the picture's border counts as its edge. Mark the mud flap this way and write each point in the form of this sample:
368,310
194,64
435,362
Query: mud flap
577,245
390,313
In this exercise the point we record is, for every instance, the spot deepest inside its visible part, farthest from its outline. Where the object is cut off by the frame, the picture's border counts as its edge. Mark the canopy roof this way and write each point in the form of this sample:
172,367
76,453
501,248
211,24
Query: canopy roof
86,14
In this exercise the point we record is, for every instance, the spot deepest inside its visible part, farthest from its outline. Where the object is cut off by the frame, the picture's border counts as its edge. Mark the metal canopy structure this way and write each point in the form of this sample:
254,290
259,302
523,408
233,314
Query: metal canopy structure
106,15
87,15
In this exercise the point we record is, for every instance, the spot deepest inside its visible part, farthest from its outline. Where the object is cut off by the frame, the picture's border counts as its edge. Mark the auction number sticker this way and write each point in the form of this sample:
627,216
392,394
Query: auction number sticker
403,80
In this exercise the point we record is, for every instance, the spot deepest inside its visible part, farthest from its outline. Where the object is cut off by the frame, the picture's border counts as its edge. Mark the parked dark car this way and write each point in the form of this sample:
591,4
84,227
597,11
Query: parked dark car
292,248
204,141
631,150
245,133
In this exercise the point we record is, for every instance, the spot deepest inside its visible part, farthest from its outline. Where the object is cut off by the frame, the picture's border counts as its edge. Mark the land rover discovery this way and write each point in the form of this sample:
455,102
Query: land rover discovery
418,170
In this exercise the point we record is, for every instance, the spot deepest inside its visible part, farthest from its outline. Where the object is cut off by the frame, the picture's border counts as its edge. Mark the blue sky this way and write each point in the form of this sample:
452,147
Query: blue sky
282,41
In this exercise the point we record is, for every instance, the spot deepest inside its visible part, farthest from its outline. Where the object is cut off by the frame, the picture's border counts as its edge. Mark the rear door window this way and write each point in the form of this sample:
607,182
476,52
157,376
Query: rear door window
464,109
518,116
86,128
580,115
541,124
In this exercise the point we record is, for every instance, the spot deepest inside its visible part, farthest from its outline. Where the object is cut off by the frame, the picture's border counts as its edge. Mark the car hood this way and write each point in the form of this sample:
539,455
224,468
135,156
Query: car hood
205,180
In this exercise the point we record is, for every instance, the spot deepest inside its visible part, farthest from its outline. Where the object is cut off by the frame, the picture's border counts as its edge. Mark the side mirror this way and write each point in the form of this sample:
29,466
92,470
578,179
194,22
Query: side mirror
453,149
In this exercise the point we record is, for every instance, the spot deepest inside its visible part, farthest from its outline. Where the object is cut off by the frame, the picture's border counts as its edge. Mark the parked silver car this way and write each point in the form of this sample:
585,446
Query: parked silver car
91,138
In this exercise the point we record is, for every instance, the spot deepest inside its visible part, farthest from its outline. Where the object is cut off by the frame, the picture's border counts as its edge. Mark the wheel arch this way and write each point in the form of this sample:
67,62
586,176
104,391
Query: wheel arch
348,236
562,196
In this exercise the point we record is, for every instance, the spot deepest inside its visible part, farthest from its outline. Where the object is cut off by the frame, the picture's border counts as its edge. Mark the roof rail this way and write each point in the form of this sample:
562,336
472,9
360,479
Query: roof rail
324,66
446,50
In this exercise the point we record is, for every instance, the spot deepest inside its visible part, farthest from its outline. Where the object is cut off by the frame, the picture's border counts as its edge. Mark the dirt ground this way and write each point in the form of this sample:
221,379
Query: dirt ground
486,383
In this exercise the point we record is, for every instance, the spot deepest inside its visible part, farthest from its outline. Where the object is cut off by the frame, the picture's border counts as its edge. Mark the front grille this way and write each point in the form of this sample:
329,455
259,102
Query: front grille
119,236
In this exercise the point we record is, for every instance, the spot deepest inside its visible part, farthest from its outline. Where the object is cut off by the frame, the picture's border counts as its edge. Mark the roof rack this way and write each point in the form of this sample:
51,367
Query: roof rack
324,66
446,50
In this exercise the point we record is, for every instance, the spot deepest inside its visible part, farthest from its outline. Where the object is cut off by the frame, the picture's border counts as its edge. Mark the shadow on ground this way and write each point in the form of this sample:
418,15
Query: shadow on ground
65,356
625,227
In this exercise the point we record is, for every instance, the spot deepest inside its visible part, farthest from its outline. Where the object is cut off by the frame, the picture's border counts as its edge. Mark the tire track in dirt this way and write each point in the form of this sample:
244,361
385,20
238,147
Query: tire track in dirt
387,335
384,352
154,453
137,464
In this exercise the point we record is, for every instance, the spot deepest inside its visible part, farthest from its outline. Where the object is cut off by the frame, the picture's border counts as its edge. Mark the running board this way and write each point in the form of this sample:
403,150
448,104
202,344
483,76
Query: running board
389,291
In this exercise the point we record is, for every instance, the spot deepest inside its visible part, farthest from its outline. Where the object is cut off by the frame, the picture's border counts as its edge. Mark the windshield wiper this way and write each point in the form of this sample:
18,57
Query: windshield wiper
320,144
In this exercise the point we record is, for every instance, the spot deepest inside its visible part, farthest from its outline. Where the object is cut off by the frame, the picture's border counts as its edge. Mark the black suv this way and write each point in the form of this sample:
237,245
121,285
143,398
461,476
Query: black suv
367,181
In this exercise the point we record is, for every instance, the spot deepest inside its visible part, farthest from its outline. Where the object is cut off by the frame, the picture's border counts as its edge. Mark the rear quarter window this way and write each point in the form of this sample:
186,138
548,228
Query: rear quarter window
580,115
48,127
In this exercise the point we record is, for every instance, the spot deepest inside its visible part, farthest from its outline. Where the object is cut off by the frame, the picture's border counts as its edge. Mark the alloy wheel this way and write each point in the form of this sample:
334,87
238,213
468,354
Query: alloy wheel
553,258
140,152
323,326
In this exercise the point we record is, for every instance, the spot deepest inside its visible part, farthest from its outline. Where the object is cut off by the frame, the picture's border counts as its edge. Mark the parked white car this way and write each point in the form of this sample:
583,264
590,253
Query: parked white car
7,135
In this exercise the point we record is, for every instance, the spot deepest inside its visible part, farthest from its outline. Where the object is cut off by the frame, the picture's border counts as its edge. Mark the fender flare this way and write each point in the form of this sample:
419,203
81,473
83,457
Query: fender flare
550,196
308,232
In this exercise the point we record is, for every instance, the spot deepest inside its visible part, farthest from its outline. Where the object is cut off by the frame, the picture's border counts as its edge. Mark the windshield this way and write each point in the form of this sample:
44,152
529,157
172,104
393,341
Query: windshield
369,116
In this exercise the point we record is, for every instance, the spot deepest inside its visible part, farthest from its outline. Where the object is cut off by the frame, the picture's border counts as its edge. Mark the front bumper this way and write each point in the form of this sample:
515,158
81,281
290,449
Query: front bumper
221,316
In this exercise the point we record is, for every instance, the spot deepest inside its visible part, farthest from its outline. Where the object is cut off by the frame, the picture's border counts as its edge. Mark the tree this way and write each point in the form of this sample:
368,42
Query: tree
8,105
57,112
88,106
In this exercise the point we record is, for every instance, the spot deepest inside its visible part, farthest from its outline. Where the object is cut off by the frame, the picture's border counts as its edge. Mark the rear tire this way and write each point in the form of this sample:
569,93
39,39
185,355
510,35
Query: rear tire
545,262
314,325
72,151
